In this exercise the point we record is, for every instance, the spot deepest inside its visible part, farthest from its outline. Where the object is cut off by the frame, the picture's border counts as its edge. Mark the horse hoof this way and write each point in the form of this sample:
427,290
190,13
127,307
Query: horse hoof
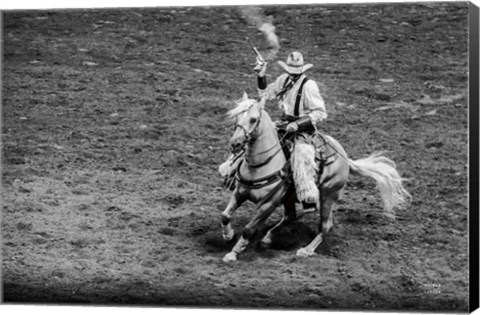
266,242
265,245
230,257
302,252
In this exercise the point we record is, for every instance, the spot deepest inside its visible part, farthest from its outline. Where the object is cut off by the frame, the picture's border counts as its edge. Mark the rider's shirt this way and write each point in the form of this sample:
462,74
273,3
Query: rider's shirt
311,102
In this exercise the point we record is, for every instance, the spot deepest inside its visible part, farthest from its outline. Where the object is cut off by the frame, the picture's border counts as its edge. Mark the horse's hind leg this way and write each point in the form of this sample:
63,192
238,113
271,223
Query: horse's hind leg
289,216
326,222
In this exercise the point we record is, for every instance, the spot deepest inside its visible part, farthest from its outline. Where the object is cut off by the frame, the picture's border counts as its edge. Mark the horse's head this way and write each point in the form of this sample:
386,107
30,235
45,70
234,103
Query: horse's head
247,116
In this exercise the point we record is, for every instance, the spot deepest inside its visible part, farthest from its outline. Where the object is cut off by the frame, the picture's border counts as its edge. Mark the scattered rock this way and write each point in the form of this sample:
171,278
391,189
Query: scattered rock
432,86
167,231
381,96
39,240
400,104
80,192
89,63
451,98
113,209
425,100
437,144
127,216
24,189
387,80
201,71
79,242
119,168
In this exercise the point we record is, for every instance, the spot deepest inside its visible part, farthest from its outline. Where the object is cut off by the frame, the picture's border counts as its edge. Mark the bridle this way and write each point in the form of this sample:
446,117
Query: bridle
249,139
248,135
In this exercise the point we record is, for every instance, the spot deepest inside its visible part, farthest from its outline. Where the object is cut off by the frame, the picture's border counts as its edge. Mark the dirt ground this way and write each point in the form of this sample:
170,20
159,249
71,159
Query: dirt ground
113,126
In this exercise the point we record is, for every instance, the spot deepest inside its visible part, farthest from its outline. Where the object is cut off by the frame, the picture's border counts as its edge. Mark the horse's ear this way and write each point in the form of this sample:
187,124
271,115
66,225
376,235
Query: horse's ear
244,96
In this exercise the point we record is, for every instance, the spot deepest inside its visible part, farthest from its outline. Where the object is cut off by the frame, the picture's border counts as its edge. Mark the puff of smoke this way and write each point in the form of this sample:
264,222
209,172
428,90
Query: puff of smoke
254,16
269,30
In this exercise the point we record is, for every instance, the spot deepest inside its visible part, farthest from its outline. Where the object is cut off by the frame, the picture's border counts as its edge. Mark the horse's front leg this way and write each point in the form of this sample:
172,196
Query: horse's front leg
289,215
235,201
262,213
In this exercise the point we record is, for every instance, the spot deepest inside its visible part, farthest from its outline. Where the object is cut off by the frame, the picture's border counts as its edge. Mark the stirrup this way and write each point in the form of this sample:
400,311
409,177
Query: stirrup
308,205
306,208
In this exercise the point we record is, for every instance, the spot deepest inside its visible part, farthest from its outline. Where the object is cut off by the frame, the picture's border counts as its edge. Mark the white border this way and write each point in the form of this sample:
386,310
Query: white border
71,4
103,310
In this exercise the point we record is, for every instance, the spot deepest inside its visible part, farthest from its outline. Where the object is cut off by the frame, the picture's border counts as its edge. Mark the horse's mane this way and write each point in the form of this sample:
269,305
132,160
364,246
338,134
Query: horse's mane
242,106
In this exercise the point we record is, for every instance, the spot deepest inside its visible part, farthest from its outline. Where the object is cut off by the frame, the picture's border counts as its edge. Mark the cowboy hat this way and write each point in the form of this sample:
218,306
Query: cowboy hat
295,64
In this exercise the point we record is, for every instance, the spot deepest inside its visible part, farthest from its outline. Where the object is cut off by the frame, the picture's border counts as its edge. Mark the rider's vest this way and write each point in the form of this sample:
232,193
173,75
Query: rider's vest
287,85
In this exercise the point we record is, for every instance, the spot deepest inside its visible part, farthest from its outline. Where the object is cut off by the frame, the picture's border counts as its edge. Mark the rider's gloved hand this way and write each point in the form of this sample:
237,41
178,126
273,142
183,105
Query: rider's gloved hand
260,67
292,127
280,124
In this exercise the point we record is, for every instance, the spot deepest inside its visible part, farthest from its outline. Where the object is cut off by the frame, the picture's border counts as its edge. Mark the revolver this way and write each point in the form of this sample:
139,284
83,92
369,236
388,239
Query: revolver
259,56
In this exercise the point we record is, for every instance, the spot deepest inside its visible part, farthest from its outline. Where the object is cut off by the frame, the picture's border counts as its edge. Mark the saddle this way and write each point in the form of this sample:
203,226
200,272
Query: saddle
325,154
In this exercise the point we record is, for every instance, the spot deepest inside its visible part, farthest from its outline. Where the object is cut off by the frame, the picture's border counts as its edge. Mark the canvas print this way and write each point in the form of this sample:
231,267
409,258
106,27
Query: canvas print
305,157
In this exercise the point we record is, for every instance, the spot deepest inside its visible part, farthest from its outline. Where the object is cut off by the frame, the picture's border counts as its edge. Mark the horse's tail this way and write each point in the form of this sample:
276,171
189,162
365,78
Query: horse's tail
389,182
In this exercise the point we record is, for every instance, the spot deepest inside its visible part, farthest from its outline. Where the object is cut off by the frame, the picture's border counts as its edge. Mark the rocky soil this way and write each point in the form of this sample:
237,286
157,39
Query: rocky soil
113,126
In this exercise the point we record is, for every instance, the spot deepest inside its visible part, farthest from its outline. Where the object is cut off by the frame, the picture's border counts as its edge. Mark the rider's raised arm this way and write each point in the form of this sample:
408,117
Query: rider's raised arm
267,91
270,91
314,104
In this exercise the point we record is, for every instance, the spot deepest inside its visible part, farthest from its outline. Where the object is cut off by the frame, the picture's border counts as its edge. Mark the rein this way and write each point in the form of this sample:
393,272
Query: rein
268,159
265,162
248,138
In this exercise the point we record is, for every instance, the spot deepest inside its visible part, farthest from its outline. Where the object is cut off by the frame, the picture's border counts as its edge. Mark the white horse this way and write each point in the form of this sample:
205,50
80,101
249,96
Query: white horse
264,177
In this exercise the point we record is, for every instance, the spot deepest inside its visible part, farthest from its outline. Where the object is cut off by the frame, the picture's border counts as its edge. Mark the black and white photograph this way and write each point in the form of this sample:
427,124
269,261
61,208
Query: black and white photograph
267,156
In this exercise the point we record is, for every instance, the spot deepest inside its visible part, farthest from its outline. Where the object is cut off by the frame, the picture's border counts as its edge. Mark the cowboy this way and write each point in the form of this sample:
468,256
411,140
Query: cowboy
303,109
